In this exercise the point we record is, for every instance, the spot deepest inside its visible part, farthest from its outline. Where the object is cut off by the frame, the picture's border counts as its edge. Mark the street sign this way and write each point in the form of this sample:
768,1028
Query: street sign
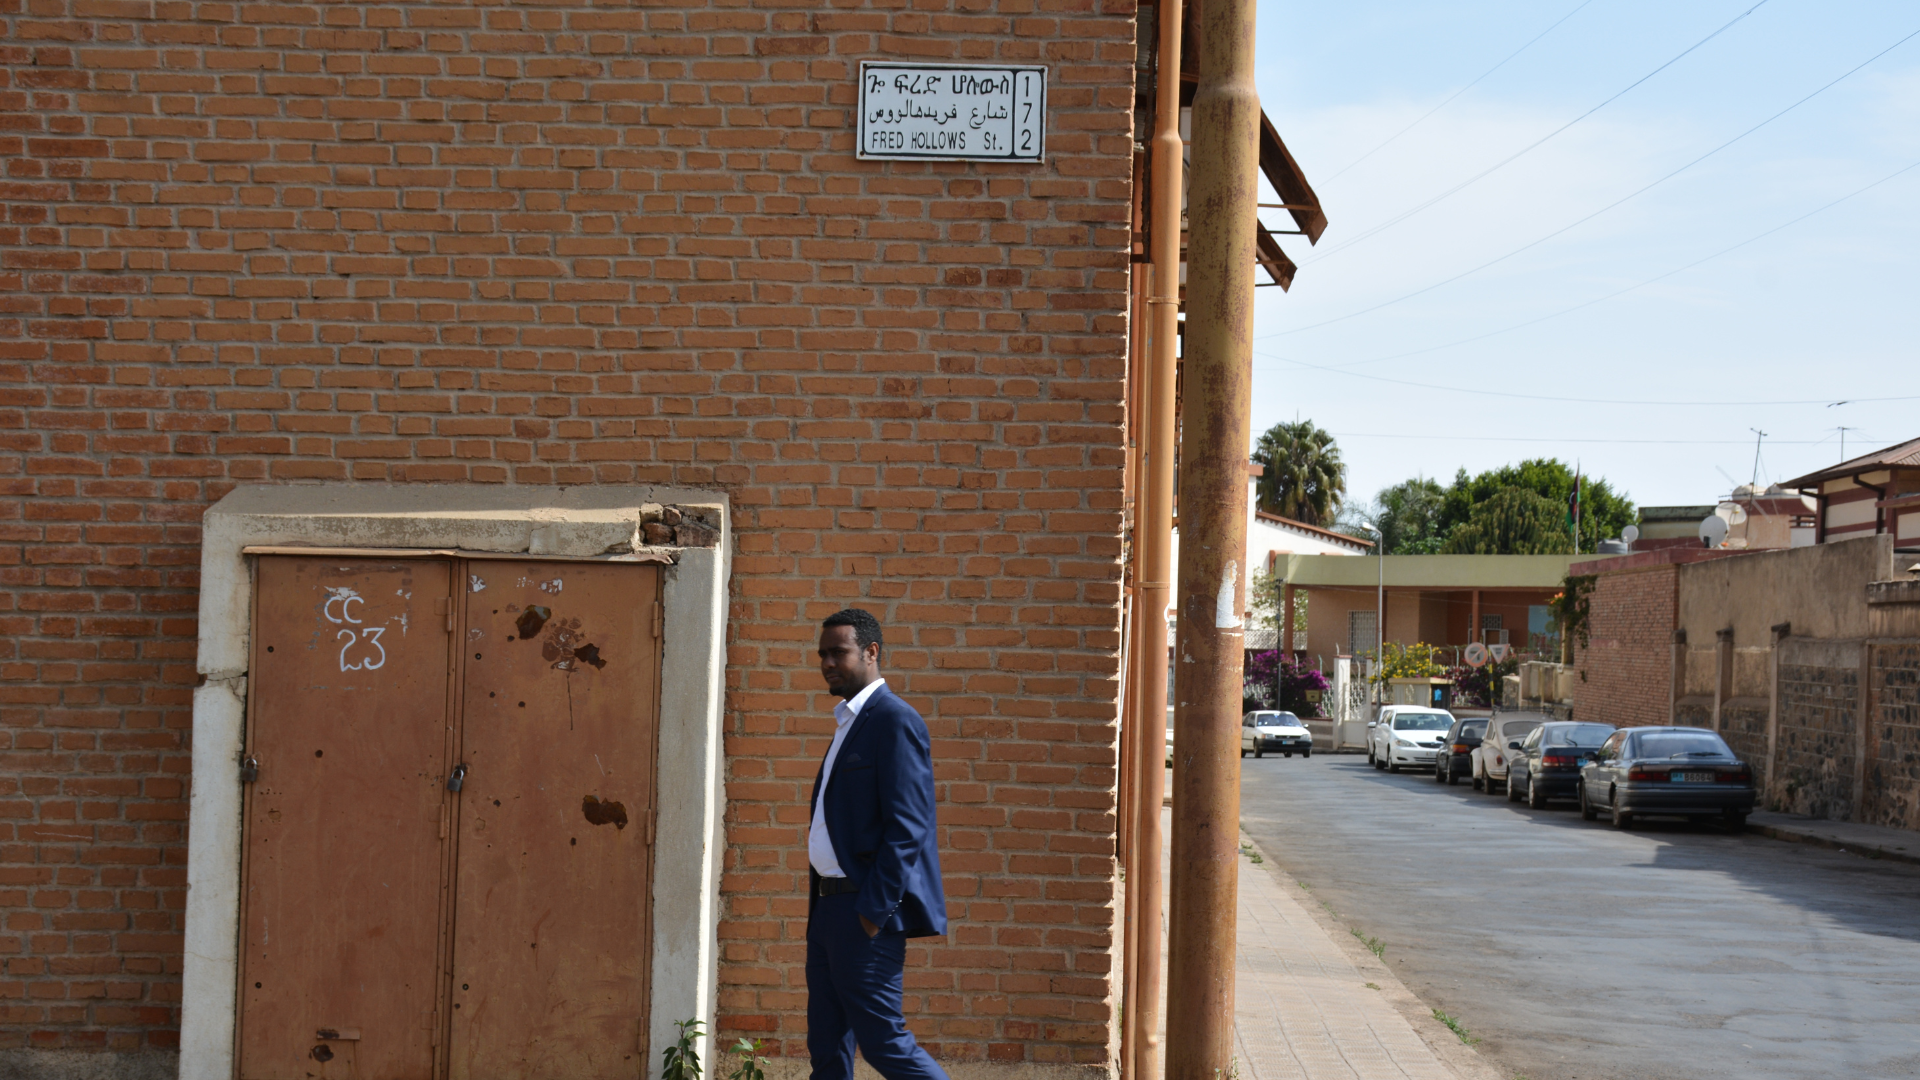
1475,655
952,112
1313,697
1499,652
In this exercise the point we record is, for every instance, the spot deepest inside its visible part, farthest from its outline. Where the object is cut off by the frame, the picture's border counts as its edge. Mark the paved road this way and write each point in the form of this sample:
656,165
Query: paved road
1672,952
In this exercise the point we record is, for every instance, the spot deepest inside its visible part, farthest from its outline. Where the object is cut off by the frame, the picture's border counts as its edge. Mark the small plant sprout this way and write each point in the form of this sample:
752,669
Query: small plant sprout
681,1061
1374,945
752,1066
1454,1025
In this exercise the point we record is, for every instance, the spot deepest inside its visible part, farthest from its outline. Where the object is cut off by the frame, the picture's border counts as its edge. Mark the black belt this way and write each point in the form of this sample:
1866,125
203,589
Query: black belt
834,886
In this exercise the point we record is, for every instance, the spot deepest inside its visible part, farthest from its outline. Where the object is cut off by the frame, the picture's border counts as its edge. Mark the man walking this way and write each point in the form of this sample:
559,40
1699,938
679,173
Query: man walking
875,879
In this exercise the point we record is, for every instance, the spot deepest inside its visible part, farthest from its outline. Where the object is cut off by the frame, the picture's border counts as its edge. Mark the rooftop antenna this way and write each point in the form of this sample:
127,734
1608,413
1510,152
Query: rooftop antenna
1731,482
1754,484
1843,440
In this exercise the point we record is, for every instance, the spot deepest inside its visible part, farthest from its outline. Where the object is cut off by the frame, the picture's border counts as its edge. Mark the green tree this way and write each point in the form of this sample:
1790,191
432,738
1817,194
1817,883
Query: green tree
1304,479
1603,512
1408,514
1265,593
1514,521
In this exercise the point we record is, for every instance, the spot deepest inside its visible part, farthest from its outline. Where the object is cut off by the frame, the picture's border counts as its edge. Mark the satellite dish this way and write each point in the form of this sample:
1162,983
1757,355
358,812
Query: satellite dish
1732,512
1630,533
1713,530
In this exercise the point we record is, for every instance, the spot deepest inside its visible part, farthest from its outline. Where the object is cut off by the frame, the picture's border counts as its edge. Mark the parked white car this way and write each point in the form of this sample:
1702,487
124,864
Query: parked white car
1265,731
1491,756
1406,736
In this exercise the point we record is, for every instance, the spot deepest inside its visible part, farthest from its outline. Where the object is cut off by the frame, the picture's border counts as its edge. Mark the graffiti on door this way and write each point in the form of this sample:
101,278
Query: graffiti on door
341,607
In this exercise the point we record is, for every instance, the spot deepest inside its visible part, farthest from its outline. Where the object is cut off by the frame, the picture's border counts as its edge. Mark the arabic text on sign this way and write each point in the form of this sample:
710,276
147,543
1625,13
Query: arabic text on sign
952,112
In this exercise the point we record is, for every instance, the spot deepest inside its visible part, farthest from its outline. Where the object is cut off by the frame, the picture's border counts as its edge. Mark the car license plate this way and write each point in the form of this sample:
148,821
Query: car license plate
1694,777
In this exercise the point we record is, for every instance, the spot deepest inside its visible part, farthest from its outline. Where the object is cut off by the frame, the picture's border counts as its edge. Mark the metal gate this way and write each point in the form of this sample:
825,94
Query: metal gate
448,833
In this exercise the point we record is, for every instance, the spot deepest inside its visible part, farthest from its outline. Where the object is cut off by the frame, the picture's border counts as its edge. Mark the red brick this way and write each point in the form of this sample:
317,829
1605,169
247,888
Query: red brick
304,252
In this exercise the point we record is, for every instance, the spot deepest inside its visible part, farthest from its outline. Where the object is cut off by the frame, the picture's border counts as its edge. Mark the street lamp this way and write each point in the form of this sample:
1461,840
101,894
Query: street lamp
1379,607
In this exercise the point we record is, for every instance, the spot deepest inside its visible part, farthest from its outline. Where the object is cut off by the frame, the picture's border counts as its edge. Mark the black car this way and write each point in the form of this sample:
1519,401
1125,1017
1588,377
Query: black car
1671,771
1456,750
1546,764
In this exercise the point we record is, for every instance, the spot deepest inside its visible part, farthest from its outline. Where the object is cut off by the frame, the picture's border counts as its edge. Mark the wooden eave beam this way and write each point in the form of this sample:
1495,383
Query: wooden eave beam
1287,179
1272,259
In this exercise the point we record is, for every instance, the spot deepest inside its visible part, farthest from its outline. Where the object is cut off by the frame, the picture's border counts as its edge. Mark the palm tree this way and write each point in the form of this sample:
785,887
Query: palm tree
1304,477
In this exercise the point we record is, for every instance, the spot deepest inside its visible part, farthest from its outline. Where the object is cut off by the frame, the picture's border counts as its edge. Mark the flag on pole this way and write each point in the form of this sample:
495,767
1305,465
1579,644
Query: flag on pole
1573,509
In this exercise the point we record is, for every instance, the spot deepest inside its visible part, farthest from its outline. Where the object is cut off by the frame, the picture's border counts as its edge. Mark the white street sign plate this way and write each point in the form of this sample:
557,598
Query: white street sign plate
952,112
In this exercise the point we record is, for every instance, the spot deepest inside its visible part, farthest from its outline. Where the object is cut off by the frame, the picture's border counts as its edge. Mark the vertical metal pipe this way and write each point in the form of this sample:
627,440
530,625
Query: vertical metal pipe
1130,629
1216,391
1155,536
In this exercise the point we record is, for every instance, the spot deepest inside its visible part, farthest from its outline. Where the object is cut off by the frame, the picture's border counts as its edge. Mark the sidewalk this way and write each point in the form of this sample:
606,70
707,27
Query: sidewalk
1310,1006
1872,841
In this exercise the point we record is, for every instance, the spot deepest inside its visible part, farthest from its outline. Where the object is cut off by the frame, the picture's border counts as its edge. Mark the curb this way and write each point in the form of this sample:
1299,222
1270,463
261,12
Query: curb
1864,850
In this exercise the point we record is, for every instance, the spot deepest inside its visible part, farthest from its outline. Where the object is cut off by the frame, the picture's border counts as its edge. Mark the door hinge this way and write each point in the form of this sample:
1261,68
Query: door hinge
659,618
444,606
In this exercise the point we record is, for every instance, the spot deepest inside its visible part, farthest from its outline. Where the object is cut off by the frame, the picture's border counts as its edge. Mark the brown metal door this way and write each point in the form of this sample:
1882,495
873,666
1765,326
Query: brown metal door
554,880
343,826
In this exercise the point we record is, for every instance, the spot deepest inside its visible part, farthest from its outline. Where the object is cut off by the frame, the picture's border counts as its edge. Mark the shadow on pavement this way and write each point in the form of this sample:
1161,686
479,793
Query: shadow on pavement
1868,895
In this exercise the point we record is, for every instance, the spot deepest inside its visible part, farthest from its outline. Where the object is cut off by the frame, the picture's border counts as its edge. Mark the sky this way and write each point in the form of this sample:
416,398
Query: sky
1657,389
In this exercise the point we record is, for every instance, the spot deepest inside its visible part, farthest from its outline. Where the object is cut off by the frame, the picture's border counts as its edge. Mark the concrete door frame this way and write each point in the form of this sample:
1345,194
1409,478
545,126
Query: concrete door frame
601,523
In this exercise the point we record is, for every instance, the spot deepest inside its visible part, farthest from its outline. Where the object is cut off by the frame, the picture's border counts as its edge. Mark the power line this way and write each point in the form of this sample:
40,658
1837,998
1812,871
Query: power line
1476,82
1617,202
1557,439
1549,397
1650,281
1529,148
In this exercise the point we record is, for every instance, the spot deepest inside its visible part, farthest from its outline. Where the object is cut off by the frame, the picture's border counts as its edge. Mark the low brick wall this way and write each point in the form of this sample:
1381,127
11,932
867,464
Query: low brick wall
1626,667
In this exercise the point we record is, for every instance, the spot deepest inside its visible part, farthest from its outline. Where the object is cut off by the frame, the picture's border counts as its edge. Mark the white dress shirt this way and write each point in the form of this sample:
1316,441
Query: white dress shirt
819,846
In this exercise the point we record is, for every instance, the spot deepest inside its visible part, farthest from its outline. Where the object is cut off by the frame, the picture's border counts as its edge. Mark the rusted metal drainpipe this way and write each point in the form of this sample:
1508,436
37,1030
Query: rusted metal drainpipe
1216,392
1153,583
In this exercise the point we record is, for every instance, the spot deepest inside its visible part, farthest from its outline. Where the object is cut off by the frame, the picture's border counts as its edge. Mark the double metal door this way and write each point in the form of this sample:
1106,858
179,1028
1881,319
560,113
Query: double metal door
447,833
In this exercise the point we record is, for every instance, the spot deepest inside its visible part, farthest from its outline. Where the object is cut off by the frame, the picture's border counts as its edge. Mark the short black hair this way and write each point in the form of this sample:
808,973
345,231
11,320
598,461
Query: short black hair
866,628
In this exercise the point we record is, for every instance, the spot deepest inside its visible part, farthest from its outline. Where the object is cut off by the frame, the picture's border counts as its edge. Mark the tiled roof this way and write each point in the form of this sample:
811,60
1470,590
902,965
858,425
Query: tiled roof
1328,534
1906,453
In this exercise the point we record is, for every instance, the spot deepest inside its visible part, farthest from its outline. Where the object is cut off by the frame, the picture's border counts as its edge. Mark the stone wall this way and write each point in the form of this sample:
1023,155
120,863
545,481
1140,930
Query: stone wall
1743,723
1893,753
1819,728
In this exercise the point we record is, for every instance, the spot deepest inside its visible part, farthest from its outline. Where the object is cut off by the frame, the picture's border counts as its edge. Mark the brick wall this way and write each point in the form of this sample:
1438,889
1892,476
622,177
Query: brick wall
1624,675
571,243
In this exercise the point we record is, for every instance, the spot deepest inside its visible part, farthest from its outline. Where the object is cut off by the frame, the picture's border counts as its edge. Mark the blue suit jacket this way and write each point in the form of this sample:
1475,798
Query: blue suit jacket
879,816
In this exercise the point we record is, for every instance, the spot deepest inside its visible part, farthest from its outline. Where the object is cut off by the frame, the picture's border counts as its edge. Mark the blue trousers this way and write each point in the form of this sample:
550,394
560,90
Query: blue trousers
853,995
